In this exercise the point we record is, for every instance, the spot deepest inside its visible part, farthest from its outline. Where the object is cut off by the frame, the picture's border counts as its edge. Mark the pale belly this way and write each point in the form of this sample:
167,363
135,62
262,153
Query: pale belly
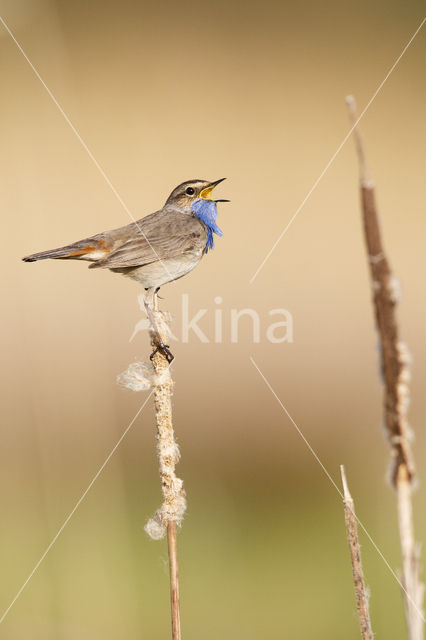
158,273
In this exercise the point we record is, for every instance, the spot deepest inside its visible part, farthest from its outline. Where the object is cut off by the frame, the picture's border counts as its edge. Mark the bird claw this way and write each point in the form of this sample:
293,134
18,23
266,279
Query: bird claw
164,349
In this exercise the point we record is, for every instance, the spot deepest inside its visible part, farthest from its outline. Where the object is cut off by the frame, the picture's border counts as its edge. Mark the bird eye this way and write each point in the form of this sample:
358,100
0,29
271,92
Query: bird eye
190,191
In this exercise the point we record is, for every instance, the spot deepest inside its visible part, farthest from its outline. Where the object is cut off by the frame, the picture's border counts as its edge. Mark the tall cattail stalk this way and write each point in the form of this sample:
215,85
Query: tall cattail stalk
396,375
171,512
156,374
357,571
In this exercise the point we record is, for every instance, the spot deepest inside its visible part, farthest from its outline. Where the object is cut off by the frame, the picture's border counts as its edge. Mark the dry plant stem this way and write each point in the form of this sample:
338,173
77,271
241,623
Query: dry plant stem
357,572
171,512
410,556
174,580
394,365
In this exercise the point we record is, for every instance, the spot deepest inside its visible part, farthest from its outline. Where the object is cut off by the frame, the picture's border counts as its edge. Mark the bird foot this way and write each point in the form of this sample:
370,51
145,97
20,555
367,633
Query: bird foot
164,349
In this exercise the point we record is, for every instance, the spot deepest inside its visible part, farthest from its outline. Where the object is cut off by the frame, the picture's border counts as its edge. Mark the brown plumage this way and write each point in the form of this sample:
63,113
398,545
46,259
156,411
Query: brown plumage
154,250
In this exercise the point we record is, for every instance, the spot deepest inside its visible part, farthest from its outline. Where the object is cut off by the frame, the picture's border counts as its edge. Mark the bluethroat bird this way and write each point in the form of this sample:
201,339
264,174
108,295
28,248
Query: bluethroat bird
157,249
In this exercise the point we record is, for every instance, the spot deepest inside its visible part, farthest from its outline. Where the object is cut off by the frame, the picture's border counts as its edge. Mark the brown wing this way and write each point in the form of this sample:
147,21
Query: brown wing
161,235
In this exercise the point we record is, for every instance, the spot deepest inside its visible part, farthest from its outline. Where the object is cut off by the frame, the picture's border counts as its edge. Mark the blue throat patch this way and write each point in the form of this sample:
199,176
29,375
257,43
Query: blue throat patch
206,211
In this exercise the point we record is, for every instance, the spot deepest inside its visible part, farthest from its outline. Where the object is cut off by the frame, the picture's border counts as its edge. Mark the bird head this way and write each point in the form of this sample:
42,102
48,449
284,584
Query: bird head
188,192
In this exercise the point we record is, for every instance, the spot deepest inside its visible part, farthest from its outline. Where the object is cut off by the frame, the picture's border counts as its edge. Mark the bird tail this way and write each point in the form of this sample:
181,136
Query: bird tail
76,250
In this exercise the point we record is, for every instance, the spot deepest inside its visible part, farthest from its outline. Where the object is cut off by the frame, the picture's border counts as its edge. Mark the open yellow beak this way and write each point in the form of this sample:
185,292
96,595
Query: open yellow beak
205,193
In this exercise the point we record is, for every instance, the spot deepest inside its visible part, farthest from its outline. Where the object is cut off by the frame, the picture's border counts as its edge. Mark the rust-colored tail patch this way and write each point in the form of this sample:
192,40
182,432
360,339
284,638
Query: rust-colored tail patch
80,252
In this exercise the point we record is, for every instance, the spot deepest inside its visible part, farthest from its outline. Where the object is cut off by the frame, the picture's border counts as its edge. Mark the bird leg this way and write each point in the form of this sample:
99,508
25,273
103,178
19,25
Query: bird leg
157,298
151,305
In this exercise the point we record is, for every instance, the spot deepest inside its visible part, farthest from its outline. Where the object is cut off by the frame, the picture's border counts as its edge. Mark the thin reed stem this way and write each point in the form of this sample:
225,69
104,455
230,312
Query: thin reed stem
174,579
357,571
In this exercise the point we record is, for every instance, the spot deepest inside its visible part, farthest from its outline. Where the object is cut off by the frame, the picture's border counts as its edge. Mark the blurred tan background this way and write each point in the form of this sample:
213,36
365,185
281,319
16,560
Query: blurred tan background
163,92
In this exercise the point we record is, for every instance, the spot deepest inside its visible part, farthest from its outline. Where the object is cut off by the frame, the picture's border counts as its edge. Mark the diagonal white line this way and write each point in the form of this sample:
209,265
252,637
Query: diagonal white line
335,485
76,506
334,156
83,144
